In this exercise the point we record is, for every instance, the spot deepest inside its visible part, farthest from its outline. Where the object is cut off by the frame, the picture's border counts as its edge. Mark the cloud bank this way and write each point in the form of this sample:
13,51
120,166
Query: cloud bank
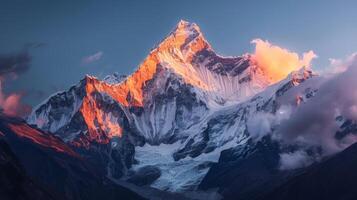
277,62
314,122
312,126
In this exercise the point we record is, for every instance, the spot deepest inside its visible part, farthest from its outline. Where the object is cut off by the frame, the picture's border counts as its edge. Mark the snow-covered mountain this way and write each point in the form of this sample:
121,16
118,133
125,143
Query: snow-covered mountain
176,86
174,115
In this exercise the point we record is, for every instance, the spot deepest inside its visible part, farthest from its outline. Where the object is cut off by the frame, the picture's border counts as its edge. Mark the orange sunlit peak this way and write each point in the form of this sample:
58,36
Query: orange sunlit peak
185,30
186,37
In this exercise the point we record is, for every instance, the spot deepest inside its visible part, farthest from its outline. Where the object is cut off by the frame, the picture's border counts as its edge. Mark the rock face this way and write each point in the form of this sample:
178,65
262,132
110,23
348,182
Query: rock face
145,175
180,108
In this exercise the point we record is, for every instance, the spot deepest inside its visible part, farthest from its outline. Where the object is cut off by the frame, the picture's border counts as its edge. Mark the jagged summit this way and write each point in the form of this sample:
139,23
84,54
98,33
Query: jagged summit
185,38
187,28
182,30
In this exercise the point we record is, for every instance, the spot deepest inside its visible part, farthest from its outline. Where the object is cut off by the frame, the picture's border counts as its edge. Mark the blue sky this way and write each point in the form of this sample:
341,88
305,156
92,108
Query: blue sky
121,33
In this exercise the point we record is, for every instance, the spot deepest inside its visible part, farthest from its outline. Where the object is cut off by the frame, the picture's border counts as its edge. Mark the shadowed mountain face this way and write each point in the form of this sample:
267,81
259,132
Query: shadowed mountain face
30,154
14,182
244,175
334,178
256,176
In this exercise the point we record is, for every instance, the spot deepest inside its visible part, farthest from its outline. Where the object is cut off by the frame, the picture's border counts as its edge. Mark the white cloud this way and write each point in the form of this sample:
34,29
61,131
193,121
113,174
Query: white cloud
340,65
294,160
262,124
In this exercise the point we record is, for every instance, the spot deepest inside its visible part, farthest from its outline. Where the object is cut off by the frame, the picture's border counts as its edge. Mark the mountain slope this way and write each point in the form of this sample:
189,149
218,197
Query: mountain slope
14,183
334,178
246,175
52,164
252,167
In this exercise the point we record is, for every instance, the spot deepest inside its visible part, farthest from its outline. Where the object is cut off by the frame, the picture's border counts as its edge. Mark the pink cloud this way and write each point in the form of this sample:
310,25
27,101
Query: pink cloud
11,104
277,62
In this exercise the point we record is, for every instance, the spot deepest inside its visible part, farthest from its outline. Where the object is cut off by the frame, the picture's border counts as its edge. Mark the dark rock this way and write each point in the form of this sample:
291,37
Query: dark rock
245,173
14,182
145,175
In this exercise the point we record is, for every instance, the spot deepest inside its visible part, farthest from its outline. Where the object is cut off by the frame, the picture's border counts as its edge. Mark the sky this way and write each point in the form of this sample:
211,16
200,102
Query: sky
64,40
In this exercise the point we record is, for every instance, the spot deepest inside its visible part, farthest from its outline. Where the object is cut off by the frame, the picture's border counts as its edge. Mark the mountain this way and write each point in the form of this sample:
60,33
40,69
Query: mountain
247,175
168,125
38,165
333,178
14,183
182,72
255,176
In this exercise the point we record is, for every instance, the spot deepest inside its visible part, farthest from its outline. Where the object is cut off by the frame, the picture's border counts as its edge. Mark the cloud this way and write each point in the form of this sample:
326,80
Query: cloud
14,63
11,104
92,58
277,62
312,125
262,124
11,65
295,160
314,122
340,65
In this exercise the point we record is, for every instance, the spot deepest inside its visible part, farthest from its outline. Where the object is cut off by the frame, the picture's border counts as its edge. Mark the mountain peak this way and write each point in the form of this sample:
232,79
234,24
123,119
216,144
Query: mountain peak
185,37
187,28
182,22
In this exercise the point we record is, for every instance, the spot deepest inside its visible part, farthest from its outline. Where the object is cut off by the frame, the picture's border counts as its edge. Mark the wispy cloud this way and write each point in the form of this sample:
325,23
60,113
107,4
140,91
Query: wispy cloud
295,160
340,65
92,58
